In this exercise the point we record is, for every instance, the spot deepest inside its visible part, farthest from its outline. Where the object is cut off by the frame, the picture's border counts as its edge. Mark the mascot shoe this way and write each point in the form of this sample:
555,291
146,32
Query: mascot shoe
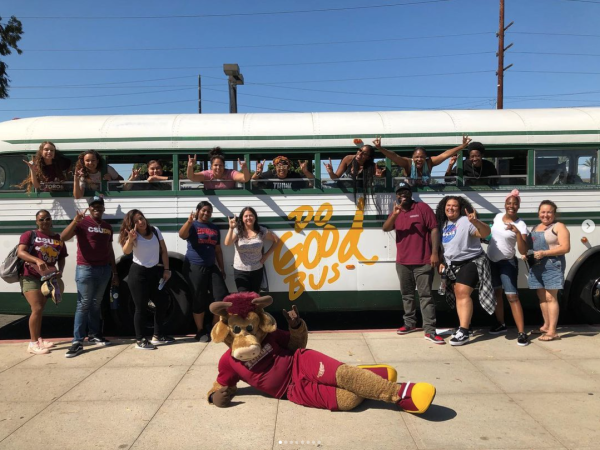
383,370
415,398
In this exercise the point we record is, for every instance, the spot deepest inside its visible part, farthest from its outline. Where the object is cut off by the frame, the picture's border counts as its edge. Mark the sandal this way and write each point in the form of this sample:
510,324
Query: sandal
539,331
548,338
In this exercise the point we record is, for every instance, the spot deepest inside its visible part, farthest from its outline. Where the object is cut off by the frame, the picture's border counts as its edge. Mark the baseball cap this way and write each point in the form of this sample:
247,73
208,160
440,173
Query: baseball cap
402,186
95,199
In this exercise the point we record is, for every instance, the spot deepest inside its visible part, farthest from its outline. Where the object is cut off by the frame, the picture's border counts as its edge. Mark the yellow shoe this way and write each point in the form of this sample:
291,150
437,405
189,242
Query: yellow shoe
383,370
415,398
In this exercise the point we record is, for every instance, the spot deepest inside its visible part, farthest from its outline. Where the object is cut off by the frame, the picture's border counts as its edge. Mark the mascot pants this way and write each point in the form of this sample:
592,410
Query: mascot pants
313,380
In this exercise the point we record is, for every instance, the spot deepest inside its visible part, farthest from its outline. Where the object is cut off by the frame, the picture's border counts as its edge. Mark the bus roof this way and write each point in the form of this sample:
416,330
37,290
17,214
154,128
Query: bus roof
303,130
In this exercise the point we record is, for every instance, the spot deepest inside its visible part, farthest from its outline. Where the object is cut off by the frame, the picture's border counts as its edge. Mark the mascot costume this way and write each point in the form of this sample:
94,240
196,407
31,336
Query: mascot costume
277,363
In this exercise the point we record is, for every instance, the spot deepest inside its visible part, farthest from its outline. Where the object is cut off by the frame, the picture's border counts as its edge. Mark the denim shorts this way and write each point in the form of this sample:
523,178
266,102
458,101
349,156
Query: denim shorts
504,275
548,274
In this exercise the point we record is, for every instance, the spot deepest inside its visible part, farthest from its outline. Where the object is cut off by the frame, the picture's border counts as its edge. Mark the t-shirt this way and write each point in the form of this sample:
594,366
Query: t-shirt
146,252
93,181
54,175
458,240
270,372
154,185
479,175
220,184
503,242
413,234
202,241
47,248
248,251
94,242
281,183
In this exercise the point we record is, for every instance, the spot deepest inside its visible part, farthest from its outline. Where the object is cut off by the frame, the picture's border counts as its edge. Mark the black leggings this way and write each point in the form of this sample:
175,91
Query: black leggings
248,281
206,283
143,285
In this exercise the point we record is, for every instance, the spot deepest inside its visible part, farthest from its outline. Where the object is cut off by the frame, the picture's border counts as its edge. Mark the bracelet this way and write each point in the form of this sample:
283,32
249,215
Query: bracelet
167,270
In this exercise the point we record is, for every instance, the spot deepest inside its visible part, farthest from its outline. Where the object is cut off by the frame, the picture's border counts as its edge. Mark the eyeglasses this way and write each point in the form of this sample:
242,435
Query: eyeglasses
45,219
282,166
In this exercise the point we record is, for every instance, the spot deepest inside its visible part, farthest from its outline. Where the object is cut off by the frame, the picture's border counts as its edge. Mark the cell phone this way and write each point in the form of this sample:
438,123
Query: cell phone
161,284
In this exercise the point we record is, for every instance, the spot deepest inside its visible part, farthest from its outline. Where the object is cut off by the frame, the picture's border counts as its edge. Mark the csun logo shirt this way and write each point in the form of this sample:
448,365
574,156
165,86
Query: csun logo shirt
94,242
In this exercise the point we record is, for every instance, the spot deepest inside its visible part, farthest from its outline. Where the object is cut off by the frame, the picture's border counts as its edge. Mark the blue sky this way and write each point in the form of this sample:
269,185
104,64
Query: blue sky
360,55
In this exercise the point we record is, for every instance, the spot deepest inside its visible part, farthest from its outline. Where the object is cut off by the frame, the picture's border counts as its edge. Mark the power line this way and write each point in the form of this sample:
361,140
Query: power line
264,13
237,47
99,96
555,34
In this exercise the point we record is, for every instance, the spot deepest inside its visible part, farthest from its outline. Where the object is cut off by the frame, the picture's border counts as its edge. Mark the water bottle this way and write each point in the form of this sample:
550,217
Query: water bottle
114,297
444,280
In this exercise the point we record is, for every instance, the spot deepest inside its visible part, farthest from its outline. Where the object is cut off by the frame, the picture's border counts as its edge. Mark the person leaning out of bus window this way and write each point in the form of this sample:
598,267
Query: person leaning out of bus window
550,242
95,268
360,166
465,262
203,265
155,176
282,173
218,177
47,252
508,232
476,170
417,256
146,276
88,175
248,261
48,169
420,165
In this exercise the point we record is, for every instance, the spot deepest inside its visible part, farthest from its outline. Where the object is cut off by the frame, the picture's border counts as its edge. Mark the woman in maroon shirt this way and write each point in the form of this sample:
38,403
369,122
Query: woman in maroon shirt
47,251
48,169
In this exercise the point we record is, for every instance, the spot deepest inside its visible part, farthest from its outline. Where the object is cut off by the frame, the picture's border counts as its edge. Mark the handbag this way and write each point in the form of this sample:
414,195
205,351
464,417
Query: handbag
12,266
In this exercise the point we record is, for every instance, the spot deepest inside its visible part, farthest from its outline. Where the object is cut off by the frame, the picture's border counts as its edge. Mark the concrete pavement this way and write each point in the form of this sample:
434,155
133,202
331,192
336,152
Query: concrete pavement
491,394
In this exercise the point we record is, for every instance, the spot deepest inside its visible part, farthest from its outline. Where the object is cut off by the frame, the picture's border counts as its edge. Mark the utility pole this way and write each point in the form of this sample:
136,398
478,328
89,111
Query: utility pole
235,78
199,95
500,55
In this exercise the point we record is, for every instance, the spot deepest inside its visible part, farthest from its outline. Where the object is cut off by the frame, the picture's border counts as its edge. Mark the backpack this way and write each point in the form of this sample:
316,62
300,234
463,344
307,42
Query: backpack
12,266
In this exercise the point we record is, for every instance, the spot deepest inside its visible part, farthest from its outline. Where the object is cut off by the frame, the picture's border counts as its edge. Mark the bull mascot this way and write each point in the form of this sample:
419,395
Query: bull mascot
278,363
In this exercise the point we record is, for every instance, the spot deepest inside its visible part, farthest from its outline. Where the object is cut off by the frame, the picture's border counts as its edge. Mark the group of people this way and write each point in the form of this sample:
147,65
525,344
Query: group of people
450,241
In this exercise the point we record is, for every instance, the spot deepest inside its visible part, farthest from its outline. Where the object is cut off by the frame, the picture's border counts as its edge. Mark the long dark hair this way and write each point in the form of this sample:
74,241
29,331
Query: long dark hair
240,223
38,165
128,225
440,210
80,165
367,178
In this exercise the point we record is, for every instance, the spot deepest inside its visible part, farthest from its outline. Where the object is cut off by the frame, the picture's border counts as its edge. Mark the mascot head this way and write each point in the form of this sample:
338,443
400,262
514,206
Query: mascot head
243,324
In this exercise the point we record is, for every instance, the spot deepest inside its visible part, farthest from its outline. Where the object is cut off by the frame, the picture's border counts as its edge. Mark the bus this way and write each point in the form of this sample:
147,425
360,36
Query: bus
333,254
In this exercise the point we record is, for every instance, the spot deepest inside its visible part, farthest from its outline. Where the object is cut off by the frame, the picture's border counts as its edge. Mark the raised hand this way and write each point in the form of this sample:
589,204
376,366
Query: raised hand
232,222
80,215
242,163
472,216
29,165
135,174
192,161
132,234
466,140
292,317
303,165
192,216
379,171
452,161
377,142
328,167
260,167
79,174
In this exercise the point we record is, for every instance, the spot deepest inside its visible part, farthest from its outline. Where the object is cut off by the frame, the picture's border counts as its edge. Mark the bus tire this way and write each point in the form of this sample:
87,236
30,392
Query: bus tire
586,288
178,311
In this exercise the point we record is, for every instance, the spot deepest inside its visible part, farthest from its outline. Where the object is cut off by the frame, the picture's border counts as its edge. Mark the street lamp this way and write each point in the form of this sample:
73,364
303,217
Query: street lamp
235,79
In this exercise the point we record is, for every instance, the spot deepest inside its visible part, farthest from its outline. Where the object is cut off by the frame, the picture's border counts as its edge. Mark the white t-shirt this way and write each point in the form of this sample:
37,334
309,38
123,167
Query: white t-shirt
93,182
503,242
146,252
458,240
249,251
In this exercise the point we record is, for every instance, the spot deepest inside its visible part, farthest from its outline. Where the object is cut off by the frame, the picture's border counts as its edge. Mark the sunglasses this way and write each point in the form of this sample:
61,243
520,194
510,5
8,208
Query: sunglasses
45,219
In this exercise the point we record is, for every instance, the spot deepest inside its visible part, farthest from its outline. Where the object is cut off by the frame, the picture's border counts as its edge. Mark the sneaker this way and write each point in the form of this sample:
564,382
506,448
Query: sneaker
460,337
436,339
158,340
498,329
98,340
75,350
35,348
202,336
145,345
406,329
523,340
45,344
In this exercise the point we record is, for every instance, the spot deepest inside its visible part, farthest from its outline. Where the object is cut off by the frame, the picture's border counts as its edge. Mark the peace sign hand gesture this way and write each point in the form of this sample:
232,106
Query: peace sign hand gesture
303,166
466,140
377,142
191,161
80,215
232,222
242,163
135,174
379,171
192,216
259,167
132,234
328,167
472,216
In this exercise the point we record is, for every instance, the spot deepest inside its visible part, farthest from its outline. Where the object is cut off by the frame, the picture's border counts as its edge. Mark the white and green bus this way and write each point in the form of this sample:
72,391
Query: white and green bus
334,254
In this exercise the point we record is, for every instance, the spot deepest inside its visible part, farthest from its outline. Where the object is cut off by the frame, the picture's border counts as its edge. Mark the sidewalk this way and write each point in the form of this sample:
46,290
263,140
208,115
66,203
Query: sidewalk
491,394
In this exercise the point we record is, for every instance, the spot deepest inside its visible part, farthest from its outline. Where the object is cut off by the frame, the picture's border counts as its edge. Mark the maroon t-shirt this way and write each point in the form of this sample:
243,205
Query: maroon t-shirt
270,372
94,242
48,248
413,234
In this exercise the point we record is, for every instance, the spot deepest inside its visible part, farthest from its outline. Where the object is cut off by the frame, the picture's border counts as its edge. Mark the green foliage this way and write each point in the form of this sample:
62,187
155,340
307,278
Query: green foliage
10,35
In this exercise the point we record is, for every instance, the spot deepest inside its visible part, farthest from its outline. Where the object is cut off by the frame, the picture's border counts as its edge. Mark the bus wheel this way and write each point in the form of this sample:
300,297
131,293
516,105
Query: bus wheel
178,310
584,301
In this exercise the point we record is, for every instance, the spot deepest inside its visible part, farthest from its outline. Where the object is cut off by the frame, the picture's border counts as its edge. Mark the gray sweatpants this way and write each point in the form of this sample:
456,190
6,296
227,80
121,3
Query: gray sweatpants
419,278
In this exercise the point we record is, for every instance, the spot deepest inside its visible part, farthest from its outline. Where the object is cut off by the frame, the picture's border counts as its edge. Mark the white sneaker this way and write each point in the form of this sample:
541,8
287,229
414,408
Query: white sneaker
36,349
45,344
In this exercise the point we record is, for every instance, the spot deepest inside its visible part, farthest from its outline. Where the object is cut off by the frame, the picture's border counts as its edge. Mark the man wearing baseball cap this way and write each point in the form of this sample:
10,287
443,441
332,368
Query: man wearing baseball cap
417,255
95,266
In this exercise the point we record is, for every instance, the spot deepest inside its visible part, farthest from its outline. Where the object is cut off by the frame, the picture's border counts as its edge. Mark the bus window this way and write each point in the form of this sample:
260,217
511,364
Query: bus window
282,172
511,167
151,173
565,167
12,173
214,176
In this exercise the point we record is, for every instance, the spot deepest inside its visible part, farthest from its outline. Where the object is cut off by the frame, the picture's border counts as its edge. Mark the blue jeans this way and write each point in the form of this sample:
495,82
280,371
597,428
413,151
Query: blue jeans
91,285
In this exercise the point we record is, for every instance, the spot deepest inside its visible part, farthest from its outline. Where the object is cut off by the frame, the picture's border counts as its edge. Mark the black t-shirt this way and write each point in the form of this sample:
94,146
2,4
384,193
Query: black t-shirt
282,183
153,185
479,175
